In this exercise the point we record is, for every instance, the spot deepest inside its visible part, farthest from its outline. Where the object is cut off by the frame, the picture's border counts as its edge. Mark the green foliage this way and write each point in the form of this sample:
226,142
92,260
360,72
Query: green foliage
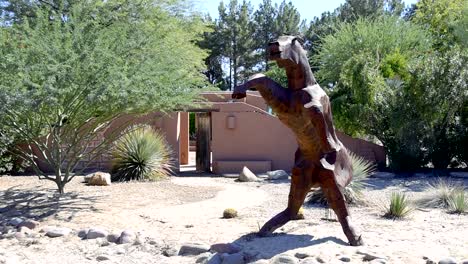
439,194
230,213
458,202
70,71
399,207
362,169
141,154
277,74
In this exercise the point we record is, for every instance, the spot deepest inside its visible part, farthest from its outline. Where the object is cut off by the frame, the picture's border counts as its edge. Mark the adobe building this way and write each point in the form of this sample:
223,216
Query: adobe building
232,134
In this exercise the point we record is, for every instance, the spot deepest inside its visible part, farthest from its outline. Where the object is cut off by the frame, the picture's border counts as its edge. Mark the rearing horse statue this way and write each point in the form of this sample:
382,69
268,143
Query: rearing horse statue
321,159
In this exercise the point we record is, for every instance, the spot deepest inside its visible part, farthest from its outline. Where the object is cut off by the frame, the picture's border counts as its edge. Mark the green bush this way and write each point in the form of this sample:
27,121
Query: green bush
399,206
141,154
457,202
362,169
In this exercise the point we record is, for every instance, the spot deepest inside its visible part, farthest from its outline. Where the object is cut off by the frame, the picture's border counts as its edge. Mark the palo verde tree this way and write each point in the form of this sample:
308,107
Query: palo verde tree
70,70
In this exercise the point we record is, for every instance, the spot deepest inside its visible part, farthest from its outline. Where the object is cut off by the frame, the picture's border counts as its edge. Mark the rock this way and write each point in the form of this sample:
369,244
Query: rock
284,259
237,258
368,256
277,175
25,230
430,261
448,260
127,237
99,179
57,231
345,259
94,233
247,176
102,258
229,248
193,249
15,221
170,252
320,259
309,260
31,224
83,233
20,236
204,258
102,242
302,255
113,238
215,259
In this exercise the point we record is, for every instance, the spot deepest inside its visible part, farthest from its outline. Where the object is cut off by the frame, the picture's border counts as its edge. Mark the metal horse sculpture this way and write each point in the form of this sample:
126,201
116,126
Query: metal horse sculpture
321,159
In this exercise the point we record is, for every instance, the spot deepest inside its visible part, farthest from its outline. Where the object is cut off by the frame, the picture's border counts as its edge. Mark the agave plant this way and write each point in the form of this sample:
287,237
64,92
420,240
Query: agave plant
399,207
439,194
141,154
362,169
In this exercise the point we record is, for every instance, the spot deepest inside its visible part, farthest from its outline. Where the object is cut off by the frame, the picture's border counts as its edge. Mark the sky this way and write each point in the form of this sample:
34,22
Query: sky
308,8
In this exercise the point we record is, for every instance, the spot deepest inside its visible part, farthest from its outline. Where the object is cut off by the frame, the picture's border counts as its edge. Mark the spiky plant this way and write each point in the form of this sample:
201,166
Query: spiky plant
458,202
362,169
400,206
439,193
141,154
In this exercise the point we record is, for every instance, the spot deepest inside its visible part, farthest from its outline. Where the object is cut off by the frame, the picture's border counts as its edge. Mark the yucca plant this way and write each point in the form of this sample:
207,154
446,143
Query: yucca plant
439,194
141,154
362,169
458,202
400,206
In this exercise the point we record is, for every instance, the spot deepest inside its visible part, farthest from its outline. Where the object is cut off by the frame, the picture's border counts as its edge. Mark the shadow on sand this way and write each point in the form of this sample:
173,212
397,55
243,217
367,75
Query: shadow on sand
39,203
256,247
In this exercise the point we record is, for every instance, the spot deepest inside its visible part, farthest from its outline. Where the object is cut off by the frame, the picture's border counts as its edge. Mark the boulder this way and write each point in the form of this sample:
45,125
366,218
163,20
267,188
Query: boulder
170,251
94,233
247,176
57,231
83,233
229,248
113,238
193,249
127,237
99,179
277,175
31,224
15,221
448,260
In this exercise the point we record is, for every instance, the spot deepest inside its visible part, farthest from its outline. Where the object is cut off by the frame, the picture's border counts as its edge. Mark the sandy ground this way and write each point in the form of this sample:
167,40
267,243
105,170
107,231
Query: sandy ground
189,209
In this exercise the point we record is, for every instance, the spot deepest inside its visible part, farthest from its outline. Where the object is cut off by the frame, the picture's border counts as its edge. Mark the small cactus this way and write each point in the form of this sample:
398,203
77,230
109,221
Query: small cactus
229,213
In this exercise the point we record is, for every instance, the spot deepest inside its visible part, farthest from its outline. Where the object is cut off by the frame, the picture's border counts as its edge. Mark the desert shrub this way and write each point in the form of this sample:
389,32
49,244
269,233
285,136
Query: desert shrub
458,202
230,213
362,169
141,154
399,206
439,193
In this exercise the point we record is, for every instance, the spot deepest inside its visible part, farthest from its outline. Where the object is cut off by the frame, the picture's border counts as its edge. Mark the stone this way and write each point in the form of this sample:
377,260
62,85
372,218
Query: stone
284,259
83,233
302,255
368,256
25,230
215,259
237,258
430,261
448,260
247,176
99,179
57,231
309,260
193,249
15,221
113,238
102,258
94,233
277,175
345,259
127,237
170,252
31,224
204,258
20,236
229,248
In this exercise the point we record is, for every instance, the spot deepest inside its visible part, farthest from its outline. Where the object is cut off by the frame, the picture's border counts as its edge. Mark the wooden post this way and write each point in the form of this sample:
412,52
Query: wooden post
203,154
184,139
